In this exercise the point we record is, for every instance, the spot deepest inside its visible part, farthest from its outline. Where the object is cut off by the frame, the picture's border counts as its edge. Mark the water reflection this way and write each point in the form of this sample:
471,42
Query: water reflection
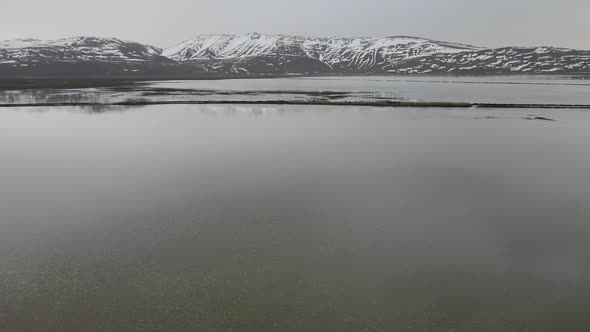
518,89
136,94
53,96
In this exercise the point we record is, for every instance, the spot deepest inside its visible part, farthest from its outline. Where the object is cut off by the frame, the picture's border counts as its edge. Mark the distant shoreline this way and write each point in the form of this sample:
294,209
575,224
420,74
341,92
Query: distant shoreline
67,82
383,104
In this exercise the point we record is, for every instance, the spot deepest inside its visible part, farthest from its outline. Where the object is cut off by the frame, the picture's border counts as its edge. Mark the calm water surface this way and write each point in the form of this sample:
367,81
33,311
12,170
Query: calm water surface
195,218
536,89
478,89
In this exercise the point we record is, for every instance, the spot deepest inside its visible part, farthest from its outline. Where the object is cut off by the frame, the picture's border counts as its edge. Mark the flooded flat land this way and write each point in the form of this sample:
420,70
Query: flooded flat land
298,218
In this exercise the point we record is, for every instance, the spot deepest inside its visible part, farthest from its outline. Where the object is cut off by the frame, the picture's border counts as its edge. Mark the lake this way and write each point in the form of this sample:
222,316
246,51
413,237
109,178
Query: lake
295,218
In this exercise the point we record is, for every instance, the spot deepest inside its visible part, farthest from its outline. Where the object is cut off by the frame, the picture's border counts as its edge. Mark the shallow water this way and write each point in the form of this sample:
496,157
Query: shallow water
479,89
294,219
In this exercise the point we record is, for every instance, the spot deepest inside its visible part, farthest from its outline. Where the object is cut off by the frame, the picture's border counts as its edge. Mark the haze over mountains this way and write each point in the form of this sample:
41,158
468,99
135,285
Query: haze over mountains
257,55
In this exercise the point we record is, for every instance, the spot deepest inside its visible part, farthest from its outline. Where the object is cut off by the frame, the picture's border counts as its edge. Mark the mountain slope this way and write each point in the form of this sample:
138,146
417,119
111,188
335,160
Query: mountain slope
78,56
84,48
324,54
508,60
255,53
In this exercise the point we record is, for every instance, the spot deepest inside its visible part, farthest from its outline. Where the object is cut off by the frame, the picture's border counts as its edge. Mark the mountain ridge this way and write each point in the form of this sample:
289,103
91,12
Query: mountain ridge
259,54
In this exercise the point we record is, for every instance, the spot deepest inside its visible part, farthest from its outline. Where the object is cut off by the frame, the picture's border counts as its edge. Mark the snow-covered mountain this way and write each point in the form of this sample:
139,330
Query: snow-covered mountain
86,56
256,54
507,60
77,49
83,47
362,52
270,53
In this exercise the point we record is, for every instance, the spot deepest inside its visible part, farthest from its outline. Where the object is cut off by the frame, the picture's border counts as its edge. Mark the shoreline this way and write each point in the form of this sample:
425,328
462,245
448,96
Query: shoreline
383,104
16,83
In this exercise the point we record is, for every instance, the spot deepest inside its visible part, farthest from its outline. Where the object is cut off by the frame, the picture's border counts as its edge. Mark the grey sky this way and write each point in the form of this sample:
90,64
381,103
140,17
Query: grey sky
163,23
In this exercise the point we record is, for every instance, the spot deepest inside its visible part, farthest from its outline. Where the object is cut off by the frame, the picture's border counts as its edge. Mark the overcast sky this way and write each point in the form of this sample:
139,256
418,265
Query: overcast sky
163,23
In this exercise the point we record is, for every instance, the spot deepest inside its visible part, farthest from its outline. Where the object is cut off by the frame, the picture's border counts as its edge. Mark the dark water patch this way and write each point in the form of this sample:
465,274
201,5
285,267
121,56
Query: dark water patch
535,117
